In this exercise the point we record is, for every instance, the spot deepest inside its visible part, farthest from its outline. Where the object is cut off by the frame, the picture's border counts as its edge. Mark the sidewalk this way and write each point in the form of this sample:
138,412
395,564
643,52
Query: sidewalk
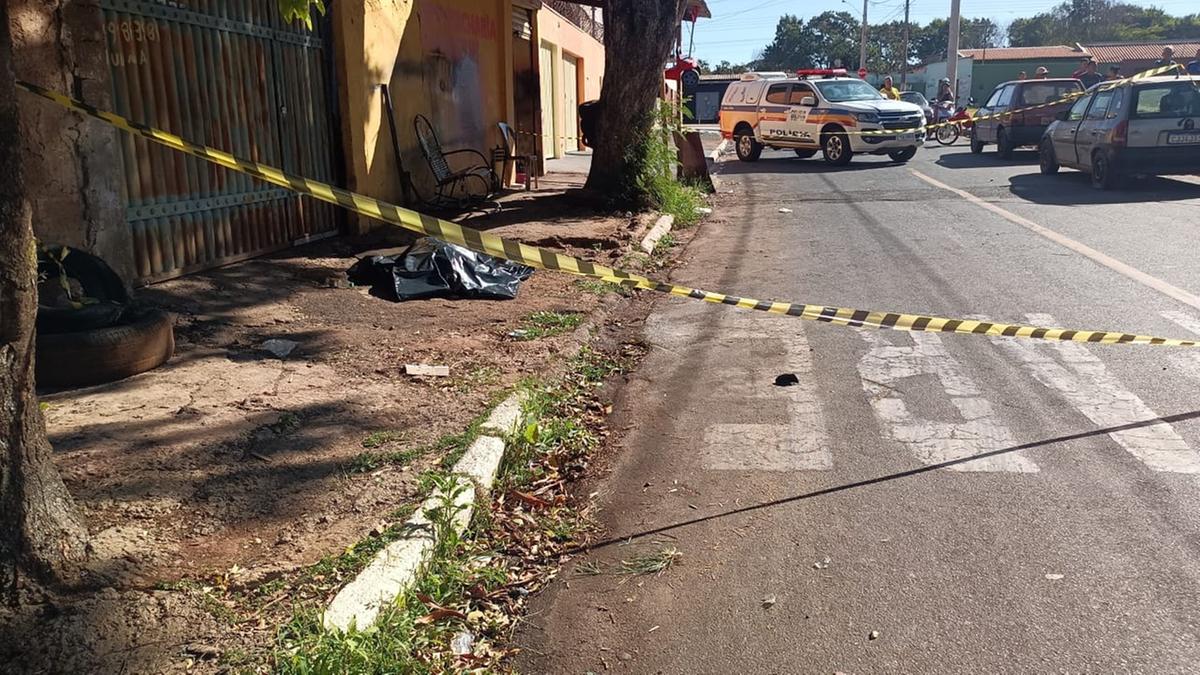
231,467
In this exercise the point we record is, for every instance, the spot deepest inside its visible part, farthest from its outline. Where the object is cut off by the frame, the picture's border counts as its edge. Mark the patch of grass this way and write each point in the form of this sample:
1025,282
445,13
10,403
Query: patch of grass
664,245
548,324
588,568
596,287
660,167
656,562
407,637
366,462
377,439
286,424
479,376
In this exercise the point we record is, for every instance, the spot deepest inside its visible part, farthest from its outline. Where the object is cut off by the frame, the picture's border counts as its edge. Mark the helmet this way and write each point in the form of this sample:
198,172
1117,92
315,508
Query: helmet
944,80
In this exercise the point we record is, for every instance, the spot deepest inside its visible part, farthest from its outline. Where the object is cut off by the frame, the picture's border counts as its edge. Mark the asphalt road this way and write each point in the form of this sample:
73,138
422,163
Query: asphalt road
916,502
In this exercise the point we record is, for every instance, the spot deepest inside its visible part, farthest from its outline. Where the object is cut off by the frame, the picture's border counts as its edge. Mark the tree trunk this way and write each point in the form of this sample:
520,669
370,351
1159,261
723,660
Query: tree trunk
637,41
41,533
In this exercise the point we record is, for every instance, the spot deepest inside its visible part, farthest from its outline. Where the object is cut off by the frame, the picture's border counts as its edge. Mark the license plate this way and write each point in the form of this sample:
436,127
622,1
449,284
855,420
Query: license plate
1183,138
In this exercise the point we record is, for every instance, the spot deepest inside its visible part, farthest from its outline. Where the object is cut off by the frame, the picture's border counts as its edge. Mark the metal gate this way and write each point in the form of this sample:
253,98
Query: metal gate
230,74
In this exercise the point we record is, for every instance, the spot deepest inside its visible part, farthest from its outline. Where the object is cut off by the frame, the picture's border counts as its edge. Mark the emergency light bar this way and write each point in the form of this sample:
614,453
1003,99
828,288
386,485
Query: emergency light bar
827,72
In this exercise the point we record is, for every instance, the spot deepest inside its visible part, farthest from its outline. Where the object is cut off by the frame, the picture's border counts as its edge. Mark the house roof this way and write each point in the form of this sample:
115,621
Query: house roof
1115,52
1023,53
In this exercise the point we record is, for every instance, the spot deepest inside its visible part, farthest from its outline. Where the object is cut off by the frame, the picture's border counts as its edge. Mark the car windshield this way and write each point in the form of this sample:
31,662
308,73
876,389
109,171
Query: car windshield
1167,100
837,91
914,97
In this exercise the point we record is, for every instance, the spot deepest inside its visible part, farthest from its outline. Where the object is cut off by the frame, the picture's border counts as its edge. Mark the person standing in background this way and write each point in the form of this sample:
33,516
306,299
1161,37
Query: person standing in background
1114,73
1041,73
1090,77
1022,75
1193,67
888,90
1168,57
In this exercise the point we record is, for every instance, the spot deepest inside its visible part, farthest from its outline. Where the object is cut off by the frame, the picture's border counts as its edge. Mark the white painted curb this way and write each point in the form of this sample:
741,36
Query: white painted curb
661,227
395,568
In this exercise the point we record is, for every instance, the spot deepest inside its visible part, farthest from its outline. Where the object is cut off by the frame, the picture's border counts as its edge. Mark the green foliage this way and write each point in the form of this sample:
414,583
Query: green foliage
300,10
1101,21
548,324
657,177
832,38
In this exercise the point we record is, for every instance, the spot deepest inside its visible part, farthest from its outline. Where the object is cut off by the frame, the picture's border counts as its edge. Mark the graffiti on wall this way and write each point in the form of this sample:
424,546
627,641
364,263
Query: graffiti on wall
457,44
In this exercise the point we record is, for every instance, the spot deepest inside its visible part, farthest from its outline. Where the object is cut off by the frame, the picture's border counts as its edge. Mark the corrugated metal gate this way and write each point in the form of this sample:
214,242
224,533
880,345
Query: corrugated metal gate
231,74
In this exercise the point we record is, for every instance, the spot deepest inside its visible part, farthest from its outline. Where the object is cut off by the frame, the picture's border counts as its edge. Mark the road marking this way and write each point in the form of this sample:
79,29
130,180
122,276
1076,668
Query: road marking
1188,363
1083,249
746,351
884,368
1083,381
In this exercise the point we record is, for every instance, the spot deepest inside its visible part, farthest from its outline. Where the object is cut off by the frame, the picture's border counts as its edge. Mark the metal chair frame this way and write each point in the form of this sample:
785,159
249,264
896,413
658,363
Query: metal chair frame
448,180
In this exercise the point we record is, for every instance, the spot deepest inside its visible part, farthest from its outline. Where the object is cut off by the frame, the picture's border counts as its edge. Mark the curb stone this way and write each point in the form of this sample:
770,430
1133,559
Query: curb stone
395,568
661,227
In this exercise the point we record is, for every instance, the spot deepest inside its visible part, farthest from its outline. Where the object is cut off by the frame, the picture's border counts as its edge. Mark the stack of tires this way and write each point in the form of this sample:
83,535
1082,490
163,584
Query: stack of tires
88,330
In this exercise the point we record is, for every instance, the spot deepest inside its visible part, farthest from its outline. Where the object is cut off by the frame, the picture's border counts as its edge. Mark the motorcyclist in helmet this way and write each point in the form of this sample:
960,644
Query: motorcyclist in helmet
945,91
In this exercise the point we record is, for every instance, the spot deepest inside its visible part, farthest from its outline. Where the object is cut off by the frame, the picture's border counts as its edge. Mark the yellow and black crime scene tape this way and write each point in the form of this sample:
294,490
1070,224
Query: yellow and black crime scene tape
546,259
1153,72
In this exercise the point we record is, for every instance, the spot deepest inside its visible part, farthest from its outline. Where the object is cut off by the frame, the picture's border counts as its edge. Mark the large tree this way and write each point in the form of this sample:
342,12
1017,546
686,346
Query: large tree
1100,21
41,533
637,41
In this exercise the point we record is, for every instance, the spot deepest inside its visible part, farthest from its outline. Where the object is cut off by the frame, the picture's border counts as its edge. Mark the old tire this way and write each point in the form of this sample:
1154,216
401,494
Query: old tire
976,145
903,155
805,153
101,355
748,149
1004,144
835,146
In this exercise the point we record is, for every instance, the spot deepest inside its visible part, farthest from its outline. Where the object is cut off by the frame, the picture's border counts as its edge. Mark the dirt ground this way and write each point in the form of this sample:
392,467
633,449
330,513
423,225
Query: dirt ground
231,462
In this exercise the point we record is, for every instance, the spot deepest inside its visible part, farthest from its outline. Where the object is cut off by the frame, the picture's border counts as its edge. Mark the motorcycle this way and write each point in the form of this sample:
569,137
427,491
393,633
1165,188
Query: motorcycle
956,122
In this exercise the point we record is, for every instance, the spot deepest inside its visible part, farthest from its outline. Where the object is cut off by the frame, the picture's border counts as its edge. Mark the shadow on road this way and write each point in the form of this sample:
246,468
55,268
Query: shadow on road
1166,419
1074,187
779,163
988,159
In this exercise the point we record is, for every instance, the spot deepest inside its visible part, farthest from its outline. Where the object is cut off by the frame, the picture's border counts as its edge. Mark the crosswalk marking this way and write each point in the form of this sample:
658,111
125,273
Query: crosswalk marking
1188,362
798,441
1084,381
886,366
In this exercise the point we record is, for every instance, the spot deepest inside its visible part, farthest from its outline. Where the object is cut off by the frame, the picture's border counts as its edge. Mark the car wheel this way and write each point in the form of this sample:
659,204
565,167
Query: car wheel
1004,144
748,149
1103,175
836,148
803,153
976,145
903,154
1046,159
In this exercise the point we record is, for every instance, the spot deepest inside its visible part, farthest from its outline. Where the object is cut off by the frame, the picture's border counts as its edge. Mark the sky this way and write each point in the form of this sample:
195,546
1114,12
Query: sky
739,29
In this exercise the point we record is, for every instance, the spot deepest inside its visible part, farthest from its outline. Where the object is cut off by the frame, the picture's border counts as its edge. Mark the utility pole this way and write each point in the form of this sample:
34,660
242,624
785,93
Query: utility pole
862,43
904,56
952,48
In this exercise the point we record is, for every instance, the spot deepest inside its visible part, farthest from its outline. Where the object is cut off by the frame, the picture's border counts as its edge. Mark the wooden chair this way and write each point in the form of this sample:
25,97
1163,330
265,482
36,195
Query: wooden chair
508,153
473,183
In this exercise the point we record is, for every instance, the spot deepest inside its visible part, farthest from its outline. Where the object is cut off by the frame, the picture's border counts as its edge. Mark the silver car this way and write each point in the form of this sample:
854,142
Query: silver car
1148,128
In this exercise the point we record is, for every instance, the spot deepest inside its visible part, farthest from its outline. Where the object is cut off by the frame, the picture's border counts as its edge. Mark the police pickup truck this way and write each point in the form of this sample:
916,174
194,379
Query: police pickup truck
818,109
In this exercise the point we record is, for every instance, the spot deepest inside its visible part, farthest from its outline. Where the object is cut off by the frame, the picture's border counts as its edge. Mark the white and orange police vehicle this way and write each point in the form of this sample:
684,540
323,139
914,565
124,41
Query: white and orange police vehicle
818,109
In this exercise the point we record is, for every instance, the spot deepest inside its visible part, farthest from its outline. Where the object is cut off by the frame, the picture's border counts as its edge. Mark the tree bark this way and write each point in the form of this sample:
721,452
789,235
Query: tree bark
637,41
41,532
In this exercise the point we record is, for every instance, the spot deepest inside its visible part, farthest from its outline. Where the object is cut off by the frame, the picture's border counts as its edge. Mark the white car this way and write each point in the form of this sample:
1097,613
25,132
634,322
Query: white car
818,110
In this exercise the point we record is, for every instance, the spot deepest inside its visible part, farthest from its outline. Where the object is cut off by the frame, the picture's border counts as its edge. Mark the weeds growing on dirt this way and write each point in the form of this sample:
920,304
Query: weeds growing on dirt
475,585
548,324
602,288
658,175
378,439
